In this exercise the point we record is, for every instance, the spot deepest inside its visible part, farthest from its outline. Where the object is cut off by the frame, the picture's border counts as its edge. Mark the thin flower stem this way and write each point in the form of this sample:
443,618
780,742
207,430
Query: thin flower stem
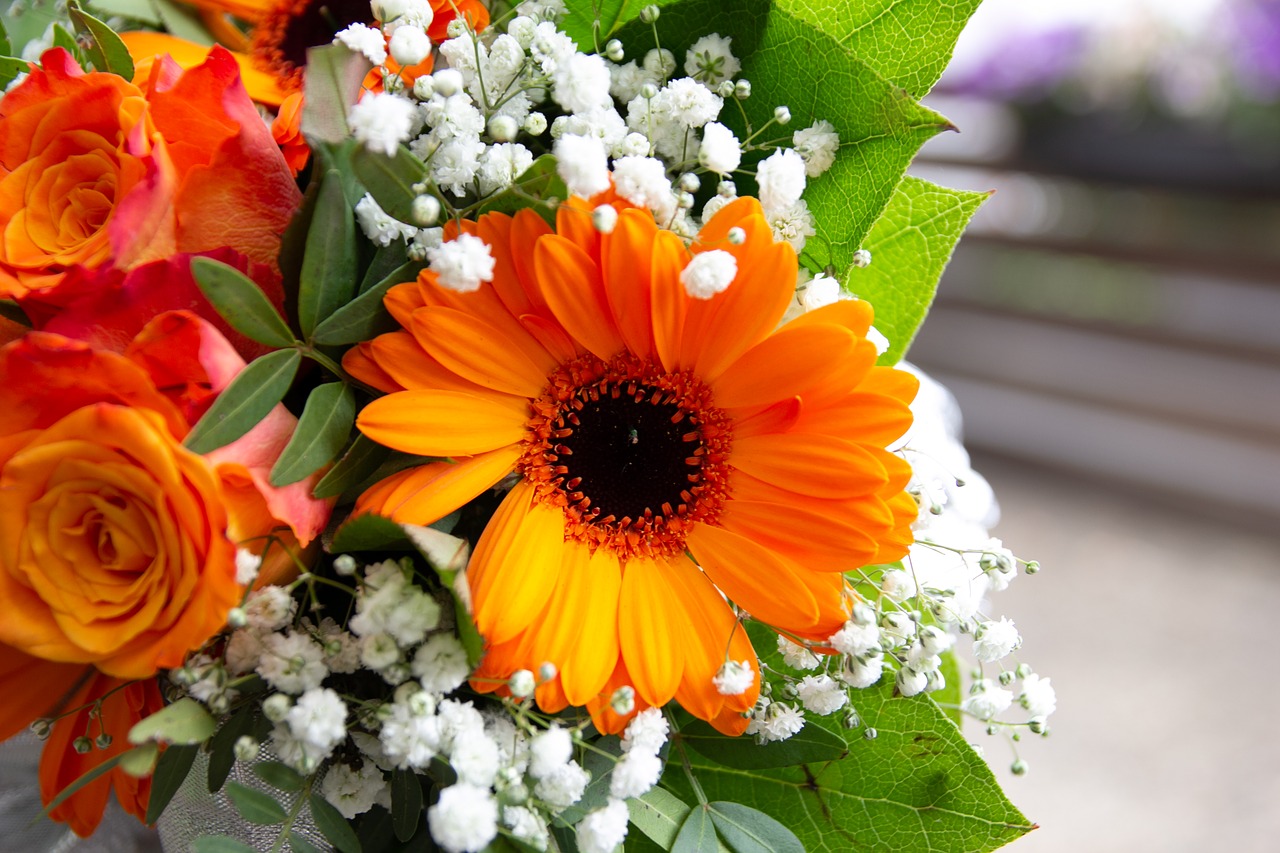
333,367
684,759
303,796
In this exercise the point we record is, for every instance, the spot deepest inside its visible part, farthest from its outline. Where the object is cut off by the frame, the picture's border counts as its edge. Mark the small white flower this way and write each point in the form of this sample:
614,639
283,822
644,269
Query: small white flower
720,150
247,565
244,650
877,338
996,640
582,164
455,163
416,13
855,639
711,61
780,722
475,759
910,682
548,750
795,655
646,732
781,180
526,825
378,226
643,182
862,671
379,651
625,81
353,792
410,739
794,224
381,121
817,144
999,564
441,664
1038,696
320,718
300,754
987,701
462,263
734,678
604,829
660,63
464,819
562,787
709,273
821,694
269,608
689,102
822,290
898,585
635,774
410,45
714,205
522,683
501,165
581,83
292,662
364,39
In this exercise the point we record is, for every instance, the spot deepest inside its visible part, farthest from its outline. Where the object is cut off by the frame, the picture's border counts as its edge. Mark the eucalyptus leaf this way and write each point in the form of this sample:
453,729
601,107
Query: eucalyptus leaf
220,844
299,844
406,803
105,48
389,261
171,771
910,245
138,10
390,180
697,834
184,722
320,435
362,458
278,775
246,401
65,39
240,301
6,47
748,830
334,826
328,278
254,805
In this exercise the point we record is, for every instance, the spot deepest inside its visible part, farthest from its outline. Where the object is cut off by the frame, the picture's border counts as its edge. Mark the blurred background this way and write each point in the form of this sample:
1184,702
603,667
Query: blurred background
1111,327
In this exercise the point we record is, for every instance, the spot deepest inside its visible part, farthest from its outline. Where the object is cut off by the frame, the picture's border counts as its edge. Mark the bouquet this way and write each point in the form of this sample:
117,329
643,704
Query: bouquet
482,426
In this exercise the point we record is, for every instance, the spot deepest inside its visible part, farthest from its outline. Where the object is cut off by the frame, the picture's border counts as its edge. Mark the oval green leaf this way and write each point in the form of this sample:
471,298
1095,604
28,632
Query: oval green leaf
322,430
184,722
697,833
390,180
328,278
220,844
246,401
171,772
278,775
747,830
364,317
255,806
406,803
370,533
334,826
141,760
106,49
238,300
356,465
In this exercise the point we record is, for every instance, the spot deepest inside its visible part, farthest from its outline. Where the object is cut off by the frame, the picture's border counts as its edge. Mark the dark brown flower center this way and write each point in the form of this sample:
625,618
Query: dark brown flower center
282,38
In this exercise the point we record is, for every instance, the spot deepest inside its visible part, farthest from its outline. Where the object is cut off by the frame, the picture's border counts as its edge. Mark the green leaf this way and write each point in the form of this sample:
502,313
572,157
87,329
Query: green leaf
334,826
388,261
880,126
105,48
747,830
917,786
539,181
697,834
278,775
321,433
10,68
390,180
183,22
599,762
950,695
240,301
365,317
220,844
659,814
334,77
6,47
909,42
299,844
406,803
910,244
171,772
579,21
328,278
255,806
10,310
184,722
222,754
810,746
359,462
138,10
369,533
141,760
65,39
246,401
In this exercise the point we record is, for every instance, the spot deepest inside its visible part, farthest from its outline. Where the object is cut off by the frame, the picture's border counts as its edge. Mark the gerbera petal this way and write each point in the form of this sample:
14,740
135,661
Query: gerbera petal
571,285
709,643
866,418
754,577
399,356
817,540
476,350
527,228
426,494
444,423
650,634
588,652
823,466
668,299
495,230
603,716
625,256
866,512
854,314
790,363
402,300
359,362
144,47
574,222
780,417
516,565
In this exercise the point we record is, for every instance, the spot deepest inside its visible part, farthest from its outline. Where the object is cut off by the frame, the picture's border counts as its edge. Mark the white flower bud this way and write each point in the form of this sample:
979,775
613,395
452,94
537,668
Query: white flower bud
782,115
742,90
424,87
410,45
535,124
503,128
447,81
689,182
862,259
236,618
276,707
246,748
613,50
649,14
521,683
648,91
345,565
623,700
604,218
425,212
547,671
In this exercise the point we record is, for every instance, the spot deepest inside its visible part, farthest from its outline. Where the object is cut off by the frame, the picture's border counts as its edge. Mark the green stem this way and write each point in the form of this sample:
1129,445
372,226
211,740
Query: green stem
684,759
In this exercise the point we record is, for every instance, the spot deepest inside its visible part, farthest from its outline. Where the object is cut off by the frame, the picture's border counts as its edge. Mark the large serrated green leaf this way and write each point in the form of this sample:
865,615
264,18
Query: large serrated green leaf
591,23
792,63
909,42
809,746
251,395
910,244
322,431
328,278
240,301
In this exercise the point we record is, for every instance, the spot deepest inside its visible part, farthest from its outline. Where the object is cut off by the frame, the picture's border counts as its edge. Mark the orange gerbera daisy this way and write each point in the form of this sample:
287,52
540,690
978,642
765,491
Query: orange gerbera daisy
672,452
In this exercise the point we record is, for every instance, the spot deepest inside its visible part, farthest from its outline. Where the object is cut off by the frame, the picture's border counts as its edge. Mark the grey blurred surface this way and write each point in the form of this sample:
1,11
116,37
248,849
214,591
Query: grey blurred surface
1157,627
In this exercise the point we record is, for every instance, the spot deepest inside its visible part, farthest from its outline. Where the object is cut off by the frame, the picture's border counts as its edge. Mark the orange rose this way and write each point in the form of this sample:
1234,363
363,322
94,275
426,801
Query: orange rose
96,171
117,544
